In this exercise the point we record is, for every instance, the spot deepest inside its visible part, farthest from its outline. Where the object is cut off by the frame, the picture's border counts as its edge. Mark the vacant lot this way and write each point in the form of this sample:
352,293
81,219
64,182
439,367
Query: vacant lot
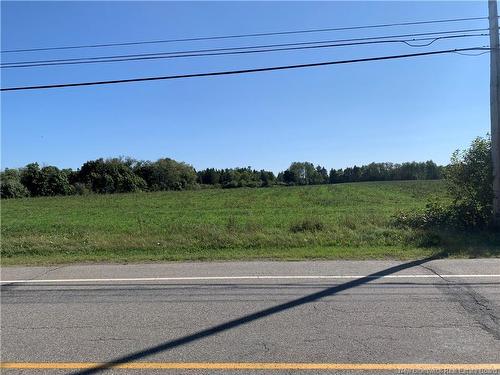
351,221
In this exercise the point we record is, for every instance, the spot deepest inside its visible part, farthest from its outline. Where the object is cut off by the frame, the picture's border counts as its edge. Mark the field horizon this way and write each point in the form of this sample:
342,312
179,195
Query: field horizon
340,221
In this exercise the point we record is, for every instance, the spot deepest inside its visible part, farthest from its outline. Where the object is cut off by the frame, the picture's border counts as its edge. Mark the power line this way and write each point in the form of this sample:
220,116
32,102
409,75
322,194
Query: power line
115,44
241,71
472,54
244,50
407,42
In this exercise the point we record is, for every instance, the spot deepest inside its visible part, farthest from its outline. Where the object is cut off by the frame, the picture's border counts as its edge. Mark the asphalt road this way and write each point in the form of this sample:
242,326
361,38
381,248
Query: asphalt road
303,317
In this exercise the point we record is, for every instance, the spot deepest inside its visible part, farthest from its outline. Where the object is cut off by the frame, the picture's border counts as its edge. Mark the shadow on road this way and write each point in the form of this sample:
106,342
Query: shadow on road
168,345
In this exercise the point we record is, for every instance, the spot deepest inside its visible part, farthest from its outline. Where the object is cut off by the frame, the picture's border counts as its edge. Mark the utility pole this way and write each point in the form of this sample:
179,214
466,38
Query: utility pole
495,107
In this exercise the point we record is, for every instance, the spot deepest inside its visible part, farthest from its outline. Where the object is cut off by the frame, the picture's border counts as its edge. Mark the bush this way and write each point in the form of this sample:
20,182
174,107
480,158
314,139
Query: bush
435,213
110,176
166,174
81,189
11,188
469,180
46,181
31,178
470,183
55,182
307,225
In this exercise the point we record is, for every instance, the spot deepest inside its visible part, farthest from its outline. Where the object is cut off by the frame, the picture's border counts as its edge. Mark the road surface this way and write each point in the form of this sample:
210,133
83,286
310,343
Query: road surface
253,318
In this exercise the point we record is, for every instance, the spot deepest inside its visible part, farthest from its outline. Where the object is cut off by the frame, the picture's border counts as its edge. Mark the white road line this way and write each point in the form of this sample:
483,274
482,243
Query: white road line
254,277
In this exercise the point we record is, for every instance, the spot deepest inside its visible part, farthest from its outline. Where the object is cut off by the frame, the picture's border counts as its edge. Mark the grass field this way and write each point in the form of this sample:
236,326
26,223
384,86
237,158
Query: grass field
345,221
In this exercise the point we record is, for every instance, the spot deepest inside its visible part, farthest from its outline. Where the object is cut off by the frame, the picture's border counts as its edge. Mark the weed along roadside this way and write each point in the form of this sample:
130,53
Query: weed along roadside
342,221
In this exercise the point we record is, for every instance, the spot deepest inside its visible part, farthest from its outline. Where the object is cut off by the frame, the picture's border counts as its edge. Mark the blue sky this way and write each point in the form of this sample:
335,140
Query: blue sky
402,110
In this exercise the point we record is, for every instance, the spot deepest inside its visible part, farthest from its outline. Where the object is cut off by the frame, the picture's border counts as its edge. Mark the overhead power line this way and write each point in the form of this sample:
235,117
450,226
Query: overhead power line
218,37
241,71
248,49
407,42
472,54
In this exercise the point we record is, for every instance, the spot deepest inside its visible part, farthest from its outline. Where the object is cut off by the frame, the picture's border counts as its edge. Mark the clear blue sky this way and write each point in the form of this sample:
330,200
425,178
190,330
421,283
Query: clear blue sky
403,110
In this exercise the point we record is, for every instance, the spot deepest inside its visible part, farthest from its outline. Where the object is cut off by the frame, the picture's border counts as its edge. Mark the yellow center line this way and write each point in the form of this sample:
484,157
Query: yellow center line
255,366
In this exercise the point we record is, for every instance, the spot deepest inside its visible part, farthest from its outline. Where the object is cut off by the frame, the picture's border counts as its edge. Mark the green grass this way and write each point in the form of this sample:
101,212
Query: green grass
345,221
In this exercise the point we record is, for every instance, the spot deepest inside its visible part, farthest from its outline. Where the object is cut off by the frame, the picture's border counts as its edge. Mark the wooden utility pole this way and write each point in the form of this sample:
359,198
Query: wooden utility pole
495,107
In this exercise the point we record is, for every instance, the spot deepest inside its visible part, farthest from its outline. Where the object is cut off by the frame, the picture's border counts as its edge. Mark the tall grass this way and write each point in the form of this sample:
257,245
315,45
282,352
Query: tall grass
328,221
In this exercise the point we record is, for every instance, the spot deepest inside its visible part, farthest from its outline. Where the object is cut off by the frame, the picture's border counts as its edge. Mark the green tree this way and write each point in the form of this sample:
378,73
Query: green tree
11,186
334,176
46,181
470,183
301,173
267,178
166,174
209,176
31,178
55,182
110,176
469,179
320,176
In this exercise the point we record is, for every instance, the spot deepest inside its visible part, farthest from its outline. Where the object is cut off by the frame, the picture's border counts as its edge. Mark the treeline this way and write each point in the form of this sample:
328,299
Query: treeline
123,175
306,174
102,176
236,177
388,172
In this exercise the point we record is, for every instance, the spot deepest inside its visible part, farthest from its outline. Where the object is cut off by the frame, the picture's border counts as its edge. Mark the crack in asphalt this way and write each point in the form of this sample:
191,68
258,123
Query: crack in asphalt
367,348
24,328
313,340
46,272
478,307
406,326
266,347
103,339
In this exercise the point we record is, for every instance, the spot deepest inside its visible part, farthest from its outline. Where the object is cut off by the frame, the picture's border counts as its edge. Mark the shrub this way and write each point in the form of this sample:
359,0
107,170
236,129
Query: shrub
209,176
425,238
307,225
31,178
435,213
469,180
11,188
231,224
470,183
55,182
166,174
81,188
110,176
46,181
241,177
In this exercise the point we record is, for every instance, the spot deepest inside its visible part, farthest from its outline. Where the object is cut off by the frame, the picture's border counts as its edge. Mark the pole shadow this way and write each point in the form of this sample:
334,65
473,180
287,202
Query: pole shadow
169,345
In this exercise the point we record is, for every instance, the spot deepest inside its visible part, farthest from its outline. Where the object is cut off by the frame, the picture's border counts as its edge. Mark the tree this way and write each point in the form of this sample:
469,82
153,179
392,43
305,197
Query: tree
46,181
470,183
319,176
31,178
209,176
301,173
11,186
372,172
267,178
352,174
166,174
432,171
289,177
334,176
55,182
110,176
469,179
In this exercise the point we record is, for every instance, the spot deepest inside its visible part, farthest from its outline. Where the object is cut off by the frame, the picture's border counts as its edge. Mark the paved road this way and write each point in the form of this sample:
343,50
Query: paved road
320,314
